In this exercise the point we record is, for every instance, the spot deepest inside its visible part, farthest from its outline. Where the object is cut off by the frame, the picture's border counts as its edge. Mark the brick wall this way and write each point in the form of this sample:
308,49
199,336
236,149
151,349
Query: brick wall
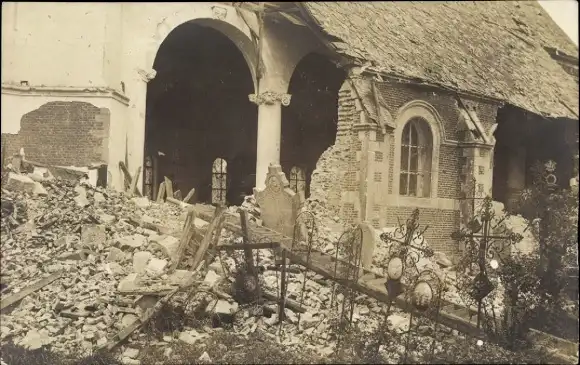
334,173
63,133
398,94
441,224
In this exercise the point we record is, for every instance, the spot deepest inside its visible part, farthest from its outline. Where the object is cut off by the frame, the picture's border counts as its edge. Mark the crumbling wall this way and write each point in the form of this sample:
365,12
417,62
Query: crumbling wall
63,133
335,173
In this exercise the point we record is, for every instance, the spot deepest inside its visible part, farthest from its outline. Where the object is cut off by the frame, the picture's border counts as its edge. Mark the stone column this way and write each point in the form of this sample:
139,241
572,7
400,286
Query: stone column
136,130
269,131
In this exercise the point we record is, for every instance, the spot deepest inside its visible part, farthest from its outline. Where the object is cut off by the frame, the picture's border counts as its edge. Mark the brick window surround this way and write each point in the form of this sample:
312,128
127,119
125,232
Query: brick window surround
425,116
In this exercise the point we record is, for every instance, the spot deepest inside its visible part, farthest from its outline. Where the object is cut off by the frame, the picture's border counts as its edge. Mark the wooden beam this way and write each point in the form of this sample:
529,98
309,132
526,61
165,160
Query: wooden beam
186,237
5,302
134,182
214,227
161,193
252,246
168,187
189,196
128,178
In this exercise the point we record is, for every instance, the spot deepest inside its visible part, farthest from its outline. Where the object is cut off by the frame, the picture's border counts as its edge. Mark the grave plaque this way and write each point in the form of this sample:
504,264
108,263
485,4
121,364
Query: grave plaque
279,204
368,244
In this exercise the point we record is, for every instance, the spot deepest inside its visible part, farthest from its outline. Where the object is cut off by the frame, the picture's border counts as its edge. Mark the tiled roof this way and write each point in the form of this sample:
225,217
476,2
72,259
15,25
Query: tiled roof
491,48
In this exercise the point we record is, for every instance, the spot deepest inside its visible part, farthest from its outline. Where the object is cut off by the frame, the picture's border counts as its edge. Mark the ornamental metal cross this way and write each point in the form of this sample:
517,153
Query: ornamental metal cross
478,236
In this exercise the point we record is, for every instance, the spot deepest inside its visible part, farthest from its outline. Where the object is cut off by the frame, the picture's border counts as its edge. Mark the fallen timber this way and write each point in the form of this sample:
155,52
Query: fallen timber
370,283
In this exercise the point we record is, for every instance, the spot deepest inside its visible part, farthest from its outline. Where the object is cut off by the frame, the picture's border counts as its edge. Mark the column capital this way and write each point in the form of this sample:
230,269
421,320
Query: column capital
270,98
147,75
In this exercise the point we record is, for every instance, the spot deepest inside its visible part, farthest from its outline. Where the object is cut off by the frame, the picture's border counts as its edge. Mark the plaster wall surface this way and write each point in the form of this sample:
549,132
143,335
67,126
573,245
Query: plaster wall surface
113,46
56,44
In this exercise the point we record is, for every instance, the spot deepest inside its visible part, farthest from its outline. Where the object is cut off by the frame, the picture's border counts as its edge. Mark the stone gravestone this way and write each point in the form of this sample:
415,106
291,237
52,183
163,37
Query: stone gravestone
279,204
368,244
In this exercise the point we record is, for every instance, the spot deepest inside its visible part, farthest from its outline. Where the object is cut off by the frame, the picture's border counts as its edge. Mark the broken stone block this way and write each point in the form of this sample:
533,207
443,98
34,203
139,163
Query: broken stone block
74,256
93,235
106,218
130,242
141,202
35,339
224,307
81,200
128,283
211,278
147,302
131,353
20,183
169,245
128,319
66,241
114,268
180,277
204,358
189,337
140,261
442,259
129,361
156,266
116,255
39,190
216,266
99,198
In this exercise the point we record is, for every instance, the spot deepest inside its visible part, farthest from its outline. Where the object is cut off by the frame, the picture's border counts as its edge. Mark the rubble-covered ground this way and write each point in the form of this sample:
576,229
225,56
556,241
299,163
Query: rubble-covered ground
90,235
96,239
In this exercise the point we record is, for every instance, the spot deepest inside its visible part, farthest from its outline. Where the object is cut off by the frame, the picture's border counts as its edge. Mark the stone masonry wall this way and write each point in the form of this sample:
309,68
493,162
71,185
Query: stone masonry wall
62,133
334,173
441,222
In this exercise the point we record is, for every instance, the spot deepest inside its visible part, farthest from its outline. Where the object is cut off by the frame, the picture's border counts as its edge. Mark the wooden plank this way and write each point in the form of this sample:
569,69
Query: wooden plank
207,239
135,181
128,178
161,193
290,304
186,237
189,196
168,187
249,258
127,331
252,246
5,302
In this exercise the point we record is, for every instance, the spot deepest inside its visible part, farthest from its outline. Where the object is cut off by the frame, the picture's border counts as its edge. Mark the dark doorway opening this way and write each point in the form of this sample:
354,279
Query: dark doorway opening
309,123
198,111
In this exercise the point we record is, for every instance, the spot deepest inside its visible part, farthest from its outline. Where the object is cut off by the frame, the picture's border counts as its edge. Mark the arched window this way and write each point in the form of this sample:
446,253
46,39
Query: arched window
298,179
416,157
219,176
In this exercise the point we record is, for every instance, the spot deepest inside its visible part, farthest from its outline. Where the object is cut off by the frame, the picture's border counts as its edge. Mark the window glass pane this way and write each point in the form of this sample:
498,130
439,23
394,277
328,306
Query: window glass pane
414,139
406,134
426,180
413,185
404,158
403,184
414,163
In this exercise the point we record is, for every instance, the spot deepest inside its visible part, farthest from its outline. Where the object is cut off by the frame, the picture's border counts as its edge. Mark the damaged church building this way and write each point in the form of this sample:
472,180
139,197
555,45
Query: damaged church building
372,109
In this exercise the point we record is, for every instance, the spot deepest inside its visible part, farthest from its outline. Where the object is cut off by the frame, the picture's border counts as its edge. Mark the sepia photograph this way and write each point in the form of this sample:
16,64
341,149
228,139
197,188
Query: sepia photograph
333,182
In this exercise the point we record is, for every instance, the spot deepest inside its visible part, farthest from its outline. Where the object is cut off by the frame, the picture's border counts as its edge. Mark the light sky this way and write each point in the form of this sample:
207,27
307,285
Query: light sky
565,14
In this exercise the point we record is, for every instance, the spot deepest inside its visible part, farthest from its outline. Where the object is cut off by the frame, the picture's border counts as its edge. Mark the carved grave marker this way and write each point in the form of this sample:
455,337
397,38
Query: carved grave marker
368,244
279,204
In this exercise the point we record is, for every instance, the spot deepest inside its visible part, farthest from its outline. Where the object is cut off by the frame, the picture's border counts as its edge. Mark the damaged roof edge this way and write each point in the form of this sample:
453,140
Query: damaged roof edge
322,33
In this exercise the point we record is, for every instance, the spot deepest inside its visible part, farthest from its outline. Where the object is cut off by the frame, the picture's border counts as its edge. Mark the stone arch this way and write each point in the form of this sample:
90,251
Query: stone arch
310,122
222,18
197,106
426,112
